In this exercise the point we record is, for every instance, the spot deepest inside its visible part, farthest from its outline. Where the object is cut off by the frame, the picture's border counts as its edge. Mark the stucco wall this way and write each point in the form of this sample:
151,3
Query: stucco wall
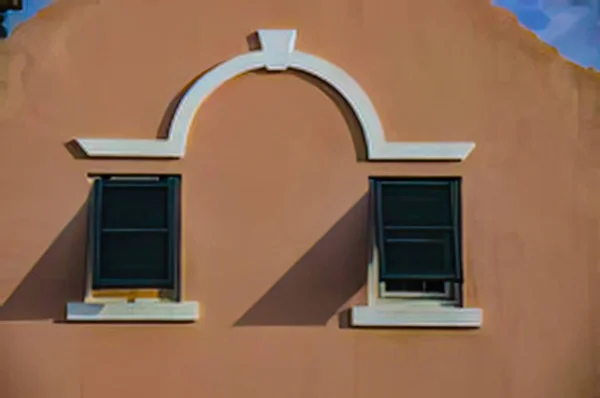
274,201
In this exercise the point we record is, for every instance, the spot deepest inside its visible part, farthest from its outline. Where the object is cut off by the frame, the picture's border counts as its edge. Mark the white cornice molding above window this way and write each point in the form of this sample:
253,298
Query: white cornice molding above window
277,53
570,26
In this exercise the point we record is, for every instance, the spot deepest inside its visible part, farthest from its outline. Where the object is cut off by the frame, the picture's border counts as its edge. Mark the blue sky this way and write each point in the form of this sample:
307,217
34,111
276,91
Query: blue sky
571,26
30,8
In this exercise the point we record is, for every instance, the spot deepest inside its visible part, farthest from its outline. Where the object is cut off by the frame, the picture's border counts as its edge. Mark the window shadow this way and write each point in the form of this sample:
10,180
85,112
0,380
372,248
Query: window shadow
56,278
316,288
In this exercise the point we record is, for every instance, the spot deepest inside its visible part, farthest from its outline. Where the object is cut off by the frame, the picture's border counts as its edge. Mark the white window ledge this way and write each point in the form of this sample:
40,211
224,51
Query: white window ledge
155,311
400,316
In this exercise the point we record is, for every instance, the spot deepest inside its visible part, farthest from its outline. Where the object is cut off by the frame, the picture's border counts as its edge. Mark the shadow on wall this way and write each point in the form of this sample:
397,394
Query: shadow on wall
358,137
165,123
56,278
322,282
313,291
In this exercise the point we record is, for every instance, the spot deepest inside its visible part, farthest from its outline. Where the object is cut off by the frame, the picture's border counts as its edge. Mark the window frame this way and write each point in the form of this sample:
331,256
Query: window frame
172,184
453,292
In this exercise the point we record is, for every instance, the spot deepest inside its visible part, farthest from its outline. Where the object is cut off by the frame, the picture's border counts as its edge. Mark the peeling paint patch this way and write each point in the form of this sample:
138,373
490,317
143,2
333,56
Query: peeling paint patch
570,26
30,9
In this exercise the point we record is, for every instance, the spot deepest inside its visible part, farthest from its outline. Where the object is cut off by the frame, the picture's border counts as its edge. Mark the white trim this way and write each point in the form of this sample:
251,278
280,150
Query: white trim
399,316
141,311
277,53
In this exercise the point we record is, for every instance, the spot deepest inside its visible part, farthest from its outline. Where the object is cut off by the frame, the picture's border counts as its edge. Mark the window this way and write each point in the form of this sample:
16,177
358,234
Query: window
134,233
415,270
418,238
134,272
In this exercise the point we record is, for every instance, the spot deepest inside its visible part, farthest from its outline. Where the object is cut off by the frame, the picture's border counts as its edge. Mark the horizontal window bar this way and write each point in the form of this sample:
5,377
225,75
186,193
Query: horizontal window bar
413,294
134,178
103,283
133,280
416,240
419,228
423,277
417,182
109,230
135,184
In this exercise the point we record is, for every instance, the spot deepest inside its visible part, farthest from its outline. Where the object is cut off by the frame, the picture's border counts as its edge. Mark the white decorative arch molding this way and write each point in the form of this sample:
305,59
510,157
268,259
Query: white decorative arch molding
277,53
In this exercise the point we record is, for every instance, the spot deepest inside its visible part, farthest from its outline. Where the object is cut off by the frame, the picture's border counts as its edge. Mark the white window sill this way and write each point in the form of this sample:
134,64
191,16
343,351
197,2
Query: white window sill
155,311
404,316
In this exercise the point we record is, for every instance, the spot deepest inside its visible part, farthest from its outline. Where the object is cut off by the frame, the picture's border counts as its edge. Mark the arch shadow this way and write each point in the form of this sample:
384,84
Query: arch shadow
323,282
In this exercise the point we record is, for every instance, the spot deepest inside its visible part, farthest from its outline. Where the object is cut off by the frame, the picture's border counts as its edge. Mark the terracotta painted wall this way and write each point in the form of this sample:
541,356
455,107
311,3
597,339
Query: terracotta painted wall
274,201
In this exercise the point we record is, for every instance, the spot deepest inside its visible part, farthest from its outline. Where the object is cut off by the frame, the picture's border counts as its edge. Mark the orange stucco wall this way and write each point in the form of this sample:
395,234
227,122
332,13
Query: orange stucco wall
274,201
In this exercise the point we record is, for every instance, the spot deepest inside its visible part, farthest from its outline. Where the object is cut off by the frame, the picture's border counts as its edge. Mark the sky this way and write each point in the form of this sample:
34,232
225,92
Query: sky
30,8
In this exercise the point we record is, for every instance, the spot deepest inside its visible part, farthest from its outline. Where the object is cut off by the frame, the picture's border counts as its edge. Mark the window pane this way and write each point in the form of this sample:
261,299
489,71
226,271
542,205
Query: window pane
133,256
435,287
415,286
416,205
412,254
134,207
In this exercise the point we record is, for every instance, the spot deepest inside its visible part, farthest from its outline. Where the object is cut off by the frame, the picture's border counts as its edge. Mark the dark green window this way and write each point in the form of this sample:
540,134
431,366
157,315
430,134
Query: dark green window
134,232
418,232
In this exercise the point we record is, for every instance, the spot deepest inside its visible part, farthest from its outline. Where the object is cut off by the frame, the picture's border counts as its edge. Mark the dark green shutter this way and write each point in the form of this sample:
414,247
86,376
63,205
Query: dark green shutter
135,233
418,228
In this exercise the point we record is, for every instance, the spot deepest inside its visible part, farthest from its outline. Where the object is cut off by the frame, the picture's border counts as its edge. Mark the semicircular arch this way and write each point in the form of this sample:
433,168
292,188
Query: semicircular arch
277,53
